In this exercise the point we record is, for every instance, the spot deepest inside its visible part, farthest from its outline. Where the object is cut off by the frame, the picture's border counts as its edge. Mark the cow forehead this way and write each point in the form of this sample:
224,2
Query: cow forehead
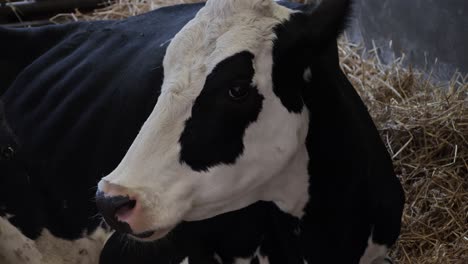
221,29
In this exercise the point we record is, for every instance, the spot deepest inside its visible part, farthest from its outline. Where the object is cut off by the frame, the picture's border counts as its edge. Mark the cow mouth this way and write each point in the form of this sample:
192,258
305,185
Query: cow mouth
144,235
151,235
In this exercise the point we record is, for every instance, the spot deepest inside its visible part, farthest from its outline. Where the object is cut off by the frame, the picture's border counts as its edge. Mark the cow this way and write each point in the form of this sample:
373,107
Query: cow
223,132
71,108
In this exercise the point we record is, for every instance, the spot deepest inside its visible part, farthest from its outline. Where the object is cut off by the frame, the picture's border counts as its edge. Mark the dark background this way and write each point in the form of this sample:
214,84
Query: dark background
425,30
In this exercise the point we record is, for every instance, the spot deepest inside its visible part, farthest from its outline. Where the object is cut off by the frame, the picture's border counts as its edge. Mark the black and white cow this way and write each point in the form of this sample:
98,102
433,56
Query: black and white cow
227,131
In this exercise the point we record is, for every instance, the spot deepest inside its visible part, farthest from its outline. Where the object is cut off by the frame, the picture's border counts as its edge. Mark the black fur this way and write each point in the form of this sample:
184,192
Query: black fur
353,189
75,97
214,133
76,104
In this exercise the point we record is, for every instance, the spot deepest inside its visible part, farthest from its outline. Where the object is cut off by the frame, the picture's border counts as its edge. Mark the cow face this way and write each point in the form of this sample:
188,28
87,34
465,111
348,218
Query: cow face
227,129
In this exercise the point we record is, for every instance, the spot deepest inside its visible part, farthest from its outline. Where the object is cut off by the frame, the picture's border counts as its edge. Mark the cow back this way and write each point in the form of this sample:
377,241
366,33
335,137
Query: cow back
75,97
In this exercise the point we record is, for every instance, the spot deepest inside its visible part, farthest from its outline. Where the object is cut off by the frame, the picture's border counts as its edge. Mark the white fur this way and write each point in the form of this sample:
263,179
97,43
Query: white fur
374,254
15,248
217,258
273,166
307,75
261,259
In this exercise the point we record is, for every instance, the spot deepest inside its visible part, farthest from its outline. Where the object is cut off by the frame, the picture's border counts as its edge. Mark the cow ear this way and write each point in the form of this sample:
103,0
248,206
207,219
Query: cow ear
326,20
312,30
301,41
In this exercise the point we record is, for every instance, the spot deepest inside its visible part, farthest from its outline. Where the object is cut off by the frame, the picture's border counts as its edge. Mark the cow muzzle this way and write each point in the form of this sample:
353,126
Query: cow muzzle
121,210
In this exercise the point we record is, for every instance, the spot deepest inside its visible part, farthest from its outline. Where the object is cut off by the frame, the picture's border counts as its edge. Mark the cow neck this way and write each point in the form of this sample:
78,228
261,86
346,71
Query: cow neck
261,227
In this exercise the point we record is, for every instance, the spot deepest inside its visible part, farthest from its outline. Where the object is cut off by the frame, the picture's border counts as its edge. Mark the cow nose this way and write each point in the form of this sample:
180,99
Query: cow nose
114,208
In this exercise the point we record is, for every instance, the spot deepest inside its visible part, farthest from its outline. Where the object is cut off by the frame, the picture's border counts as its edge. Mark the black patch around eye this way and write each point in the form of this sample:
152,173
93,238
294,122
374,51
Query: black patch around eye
214,133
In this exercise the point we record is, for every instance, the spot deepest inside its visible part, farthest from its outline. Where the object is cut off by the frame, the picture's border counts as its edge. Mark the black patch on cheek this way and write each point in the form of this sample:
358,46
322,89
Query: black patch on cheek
214,133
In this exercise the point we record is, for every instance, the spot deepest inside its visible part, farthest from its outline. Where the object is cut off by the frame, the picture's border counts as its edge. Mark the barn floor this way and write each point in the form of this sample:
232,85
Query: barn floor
425,127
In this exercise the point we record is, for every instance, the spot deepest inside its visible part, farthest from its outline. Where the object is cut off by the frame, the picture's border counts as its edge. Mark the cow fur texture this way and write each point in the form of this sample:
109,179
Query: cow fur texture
223,132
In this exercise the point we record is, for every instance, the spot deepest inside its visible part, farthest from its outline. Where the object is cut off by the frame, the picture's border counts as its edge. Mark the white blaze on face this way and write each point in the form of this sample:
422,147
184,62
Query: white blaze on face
273,164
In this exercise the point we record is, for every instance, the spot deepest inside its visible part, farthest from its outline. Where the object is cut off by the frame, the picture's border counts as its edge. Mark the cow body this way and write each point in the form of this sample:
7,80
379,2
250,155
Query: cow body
70,120
75,102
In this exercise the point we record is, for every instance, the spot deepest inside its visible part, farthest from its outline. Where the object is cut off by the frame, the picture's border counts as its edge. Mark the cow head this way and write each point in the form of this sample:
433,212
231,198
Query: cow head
230,125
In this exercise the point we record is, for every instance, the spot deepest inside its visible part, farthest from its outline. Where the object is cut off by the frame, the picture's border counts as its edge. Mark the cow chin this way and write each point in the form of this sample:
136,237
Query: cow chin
151,224
147,228
150,236
195,213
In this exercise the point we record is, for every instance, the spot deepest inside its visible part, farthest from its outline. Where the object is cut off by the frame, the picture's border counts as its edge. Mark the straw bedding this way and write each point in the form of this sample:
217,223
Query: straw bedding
424,125
425,128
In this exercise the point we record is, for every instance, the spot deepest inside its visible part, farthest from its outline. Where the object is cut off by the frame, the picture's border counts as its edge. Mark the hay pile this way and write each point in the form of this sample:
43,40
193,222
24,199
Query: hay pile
425,128
119,9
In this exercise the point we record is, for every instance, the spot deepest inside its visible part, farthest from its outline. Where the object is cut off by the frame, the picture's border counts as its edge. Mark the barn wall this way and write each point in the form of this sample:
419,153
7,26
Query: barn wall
425,30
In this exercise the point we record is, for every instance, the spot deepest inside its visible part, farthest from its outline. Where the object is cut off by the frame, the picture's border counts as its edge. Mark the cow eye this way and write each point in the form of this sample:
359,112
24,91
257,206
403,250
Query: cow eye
239,92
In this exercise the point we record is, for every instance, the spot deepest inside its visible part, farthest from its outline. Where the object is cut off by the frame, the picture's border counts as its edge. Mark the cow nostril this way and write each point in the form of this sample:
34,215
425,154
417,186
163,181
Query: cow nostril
125,208
114,209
